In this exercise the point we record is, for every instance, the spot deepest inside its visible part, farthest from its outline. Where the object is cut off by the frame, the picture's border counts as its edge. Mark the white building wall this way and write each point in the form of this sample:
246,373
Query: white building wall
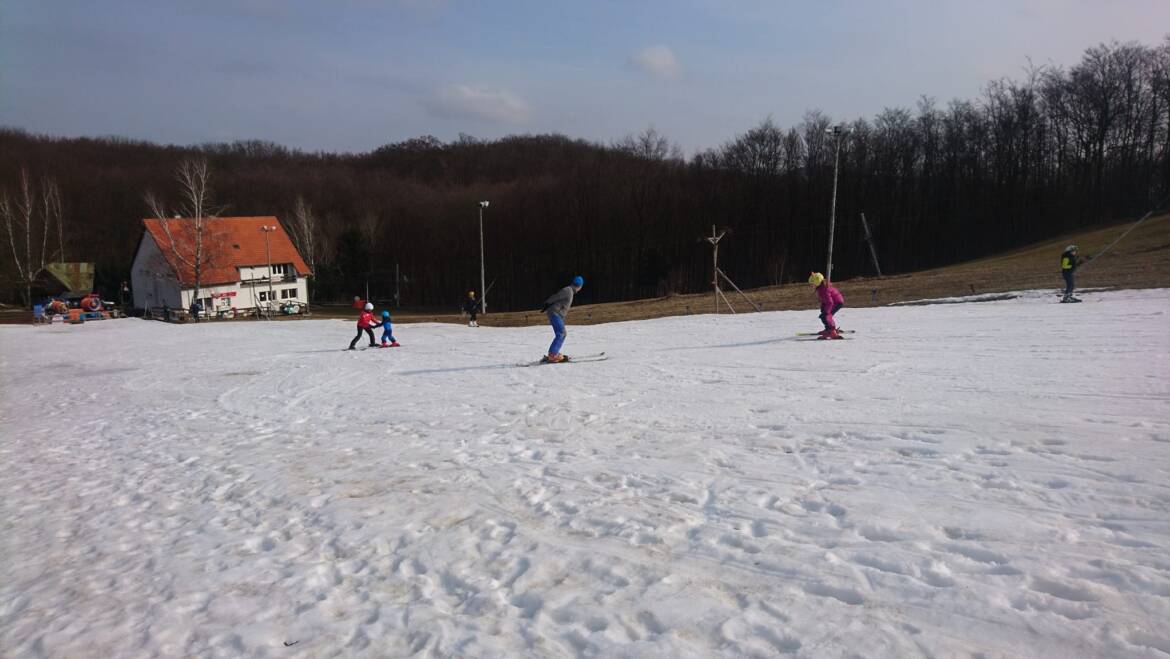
255,281
250,293
152,280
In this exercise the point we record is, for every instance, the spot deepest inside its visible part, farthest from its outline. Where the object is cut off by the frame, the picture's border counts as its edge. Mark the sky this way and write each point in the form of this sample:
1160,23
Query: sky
351,75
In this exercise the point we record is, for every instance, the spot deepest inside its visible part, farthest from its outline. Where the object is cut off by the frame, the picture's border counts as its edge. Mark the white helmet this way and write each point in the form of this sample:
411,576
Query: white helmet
369,306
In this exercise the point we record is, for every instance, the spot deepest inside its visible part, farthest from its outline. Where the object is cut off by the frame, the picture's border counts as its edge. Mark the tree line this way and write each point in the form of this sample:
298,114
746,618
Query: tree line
1057,149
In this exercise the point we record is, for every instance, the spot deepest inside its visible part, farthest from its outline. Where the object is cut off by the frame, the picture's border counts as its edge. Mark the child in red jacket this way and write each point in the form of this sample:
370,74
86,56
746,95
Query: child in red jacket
365,322
831,302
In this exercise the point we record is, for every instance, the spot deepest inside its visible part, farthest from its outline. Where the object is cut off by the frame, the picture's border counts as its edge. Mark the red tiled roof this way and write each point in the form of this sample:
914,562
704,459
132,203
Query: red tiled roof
228,243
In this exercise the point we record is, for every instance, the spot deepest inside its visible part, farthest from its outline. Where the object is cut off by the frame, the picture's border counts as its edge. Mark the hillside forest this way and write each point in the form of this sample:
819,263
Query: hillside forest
1053,150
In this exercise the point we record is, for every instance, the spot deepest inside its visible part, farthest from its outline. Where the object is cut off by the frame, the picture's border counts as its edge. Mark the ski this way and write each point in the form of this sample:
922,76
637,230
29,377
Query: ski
817,338
840,331
598,357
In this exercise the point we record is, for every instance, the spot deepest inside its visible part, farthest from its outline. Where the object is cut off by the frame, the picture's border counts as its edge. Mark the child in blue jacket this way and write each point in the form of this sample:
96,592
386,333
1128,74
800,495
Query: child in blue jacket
388,340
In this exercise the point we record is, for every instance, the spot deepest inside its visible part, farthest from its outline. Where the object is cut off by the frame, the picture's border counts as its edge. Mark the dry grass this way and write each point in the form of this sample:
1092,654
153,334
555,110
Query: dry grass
1141,260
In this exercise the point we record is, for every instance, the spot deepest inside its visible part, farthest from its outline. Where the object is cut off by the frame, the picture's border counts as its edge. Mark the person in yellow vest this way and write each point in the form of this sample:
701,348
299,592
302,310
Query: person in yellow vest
1069,261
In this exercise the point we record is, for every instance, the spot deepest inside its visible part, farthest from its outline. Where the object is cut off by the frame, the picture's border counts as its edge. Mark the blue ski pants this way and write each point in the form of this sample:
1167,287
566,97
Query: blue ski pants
558,325
1068,282
387,334
825,321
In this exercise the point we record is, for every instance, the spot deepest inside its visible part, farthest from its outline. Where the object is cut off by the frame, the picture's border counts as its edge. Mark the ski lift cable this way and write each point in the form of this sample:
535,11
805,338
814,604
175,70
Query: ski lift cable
1116,240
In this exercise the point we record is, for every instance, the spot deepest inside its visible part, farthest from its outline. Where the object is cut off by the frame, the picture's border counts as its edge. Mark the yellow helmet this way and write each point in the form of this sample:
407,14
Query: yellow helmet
816,278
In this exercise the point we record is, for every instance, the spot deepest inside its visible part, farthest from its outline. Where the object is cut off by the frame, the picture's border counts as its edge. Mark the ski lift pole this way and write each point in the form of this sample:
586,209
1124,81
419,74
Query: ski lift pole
869,241
1127,231
741,293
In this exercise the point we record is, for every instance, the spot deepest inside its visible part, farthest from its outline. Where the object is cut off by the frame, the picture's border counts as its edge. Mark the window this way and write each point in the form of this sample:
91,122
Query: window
280,269
287,293
263,296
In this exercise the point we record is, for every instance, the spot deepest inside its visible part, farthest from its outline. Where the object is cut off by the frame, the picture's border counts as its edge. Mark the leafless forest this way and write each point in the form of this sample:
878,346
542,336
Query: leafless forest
1053,150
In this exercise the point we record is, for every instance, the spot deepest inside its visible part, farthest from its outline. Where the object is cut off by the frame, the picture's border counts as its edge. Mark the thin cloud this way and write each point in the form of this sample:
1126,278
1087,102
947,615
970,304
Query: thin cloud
478,102
658,61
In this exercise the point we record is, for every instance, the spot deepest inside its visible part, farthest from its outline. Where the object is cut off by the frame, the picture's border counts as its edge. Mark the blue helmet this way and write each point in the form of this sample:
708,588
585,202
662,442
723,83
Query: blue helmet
578,281
385,314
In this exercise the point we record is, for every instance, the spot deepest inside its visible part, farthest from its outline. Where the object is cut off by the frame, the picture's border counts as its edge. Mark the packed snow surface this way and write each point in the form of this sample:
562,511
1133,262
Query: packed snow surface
957,479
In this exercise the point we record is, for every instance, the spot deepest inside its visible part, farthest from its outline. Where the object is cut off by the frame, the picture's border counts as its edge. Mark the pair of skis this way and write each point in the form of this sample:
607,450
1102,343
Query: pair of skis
598,357
816,336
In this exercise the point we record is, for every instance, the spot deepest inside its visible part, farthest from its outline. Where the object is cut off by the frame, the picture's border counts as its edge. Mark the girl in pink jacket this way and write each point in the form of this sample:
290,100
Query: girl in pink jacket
831,302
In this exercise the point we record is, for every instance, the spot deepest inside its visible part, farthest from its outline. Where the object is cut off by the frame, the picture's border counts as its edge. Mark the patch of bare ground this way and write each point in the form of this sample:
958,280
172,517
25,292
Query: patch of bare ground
1140,260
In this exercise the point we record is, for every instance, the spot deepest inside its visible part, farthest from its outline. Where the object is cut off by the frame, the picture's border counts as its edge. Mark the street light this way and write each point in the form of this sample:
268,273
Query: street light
267,229
482,277
837,132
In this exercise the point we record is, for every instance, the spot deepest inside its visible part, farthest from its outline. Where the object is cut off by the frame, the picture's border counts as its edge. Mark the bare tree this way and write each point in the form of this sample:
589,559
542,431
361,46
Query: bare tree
196,248
29,218
651,145
304,233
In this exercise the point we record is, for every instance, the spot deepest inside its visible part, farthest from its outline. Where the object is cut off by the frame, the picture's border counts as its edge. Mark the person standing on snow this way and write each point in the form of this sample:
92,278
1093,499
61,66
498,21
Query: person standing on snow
556,307
388,340
1068,267
831,302
365,323
471,307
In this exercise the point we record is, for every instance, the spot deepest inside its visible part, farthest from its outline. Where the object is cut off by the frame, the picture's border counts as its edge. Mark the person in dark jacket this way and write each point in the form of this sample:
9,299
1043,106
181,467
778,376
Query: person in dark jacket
1069,261
556,307
471,308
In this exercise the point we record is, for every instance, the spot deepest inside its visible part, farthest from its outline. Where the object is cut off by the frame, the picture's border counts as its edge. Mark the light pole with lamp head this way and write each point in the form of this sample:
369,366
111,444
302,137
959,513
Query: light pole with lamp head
837,132
482,276
267,229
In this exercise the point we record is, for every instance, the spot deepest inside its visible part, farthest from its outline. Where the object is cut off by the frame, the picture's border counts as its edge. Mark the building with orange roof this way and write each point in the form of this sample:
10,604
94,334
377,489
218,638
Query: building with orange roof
243,263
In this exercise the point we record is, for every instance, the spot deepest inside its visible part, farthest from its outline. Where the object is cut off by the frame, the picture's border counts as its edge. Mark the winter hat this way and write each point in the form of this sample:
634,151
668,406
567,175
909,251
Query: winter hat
816,278
578,281
369,306
1070,248
385,314
471,293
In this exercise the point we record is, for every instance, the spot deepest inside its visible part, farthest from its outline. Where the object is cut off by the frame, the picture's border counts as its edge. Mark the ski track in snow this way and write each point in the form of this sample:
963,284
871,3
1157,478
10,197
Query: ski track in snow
972,479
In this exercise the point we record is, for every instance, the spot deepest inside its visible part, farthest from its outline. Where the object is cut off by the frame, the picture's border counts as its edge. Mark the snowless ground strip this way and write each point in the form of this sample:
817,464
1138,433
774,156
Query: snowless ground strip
956,479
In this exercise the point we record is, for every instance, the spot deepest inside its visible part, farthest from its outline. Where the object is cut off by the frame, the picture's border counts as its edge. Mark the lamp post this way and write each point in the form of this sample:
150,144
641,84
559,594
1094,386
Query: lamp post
482,276
837,132
267,229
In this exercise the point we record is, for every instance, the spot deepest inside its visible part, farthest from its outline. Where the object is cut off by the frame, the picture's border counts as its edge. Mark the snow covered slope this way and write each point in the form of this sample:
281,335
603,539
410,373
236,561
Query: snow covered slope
964,478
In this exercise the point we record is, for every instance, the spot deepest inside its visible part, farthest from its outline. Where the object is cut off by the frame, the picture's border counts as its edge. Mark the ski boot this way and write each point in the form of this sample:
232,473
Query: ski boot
554,358
829,334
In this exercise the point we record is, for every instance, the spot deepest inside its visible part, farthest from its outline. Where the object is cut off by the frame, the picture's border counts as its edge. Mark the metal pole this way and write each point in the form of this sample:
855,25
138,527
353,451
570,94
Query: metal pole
397,288
833,211
715,266
482,276
869,241
268,254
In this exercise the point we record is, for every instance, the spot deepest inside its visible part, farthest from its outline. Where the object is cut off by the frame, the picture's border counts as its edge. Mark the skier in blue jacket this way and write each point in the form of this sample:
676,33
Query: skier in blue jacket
556,307
388,340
